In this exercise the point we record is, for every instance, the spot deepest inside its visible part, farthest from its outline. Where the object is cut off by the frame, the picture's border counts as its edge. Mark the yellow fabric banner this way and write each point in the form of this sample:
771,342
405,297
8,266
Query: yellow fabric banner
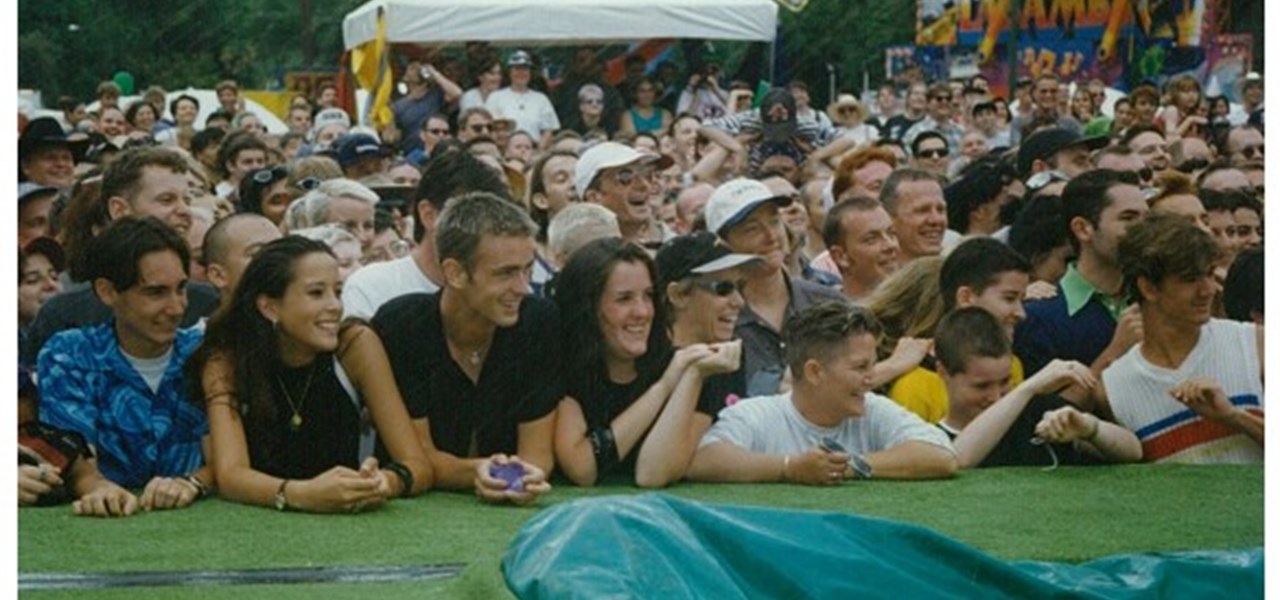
371,65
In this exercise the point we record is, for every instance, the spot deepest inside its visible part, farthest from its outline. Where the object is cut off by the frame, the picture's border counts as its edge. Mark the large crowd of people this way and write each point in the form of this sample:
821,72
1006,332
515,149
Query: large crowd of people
657,280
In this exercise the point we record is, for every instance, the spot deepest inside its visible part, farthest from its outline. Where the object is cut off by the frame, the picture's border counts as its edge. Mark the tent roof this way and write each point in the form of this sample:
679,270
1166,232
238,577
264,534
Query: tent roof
547,22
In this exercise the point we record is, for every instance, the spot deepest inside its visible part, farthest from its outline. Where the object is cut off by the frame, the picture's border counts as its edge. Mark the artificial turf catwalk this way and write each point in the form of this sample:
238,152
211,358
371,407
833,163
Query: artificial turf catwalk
1069,515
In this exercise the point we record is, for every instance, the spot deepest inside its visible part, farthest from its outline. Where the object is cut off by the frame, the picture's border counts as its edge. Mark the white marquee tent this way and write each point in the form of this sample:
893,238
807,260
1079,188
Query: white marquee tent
549,22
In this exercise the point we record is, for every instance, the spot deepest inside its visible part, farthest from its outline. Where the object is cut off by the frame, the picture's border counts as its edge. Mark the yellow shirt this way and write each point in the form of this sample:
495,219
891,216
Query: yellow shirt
922,391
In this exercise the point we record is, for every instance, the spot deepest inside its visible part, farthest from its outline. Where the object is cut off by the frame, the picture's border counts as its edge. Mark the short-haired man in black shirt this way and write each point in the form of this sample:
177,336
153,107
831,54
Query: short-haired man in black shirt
478,361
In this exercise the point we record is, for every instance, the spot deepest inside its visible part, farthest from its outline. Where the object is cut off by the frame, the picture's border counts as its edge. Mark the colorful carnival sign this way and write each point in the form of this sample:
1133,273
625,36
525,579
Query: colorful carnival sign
1074,39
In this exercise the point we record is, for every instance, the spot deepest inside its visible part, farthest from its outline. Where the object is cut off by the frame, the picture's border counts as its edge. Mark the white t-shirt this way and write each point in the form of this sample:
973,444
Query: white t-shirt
370,287
772,425
531,110
470,99
1226,352
151,369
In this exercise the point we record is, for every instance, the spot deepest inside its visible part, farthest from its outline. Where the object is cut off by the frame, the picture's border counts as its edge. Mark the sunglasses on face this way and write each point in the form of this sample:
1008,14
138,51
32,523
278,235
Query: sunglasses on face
720,287
934,153
1251,152
480,127
942,98
1193,165
626,177
268,176
310,183
592,101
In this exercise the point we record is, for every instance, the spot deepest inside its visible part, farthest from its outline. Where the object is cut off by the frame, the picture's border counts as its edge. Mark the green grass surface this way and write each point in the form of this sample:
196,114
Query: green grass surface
1070,515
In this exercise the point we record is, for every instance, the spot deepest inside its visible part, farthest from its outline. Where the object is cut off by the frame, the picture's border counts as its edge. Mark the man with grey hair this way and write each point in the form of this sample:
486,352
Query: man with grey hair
576,226
478,361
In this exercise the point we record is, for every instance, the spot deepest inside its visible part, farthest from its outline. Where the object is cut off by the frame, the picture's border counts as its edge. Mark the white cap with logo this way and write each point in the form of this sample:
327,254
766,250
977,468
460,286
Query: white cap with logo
610,155
734,200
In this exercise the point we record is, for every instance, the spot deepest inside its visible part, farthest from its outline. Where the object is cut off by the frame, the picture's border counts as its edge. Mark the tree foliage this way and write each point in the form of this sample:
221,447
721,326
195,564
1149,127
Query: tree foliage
67,47
850,34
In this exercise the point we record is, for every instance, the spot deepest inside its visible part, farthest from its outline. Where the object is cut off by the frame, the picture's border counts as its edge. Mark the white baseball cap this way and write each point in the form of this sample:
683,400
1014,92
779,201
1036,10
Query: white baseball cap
610,155
734,200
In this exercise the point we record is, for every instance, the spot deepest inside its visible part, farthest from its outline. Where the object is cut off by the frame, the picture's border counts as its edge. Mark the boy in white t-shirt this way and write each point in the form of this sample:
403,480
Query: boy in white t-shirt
1192,388
830,427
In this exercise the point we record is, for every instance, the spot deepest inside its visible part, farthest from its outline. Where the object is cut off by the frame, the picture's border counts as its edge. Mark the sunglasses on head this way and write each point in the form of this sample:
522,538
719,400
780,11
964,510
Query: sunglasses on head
720,287
934,153
271,175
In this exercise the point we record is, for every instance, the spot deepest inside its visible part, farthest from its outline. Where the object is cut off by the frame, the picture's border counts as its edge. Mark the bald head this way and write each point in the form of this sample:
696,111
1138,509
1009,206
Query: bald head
229,246
689,205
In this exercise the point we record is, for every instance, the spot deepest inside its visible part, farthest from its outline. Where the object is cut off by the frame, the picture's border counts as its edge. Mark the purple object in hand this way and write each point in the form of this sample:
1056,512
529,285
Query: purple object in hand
512,473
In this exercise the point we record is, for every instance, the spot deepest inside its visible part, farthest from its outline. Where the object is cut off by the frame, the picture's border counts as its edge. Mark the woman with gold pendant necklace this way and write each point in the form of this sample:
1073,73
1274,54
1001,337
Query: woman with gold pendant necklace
284,387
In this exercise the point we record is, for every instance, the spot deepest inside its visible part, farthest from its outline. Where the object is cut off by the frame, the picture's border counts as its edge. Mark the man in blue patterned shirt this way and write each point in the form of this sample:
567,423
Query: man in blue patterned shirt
120,384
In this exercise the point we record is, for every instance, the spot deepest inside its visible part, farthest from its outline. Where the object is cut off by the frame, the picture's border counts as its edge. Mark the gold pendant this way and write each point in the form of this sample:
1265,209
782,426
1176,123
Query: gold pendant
296,421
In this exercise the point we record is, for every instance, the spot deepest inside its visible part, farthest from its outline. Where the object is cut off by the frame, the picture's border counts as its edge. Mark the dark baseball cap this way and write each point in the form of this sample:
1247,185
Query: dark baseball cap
1045,143
353,147
28,190
696,253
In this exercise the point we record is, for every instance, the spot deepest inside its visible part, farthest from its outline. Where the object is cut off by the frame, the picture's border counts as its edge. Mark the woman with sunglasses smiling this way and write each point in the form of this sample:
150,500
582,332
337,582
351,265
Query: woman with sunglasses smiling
700,286
631,398
593,112
266,192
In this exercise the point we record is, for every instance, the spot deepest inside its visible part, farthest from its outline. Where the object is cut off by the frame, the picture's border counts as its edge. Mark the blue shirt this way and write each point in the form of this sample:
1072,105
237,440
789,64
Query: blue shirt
1077,324
88,386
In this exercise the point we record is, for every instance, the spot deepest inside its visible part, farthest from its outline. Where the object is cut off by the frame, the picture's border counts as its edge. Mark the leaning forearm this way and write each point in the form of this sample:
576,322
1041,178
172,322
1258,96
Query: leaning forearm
578,462
638,418
913,460
982,434
888,370
454,473
710,163
720,137
1117,444
666,451
247,486
1249,424
722,462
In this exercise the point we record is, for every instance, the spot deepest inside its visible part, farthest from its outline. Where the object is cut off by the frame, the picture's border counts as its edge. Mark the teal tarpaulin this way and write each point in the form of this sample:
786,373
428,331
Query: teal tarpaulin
657,546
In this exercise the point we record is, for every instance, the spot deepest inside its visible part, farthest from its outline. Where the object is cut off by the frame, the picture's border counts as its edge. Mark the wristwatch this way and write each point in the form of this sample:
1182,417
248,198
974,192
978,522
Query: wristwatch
861,468
282,503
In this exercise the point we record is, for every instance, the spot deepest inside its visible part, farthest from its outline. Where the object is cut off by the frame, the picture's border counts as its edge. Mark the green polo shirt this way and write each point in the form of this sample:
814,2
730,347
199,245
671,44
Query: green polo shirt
1077,291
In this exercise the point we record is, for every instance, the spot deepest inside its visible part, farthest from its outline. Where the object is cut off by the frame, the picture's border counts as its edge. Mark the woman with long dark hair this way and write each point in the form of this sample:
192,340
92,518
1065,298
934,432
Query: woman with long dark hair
630,396
284,387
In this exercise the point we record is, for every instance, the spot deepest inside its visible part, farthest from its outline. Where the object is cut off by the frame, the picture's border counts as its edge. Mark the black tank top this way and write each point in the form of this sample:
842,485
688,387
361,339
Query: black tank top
329,434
